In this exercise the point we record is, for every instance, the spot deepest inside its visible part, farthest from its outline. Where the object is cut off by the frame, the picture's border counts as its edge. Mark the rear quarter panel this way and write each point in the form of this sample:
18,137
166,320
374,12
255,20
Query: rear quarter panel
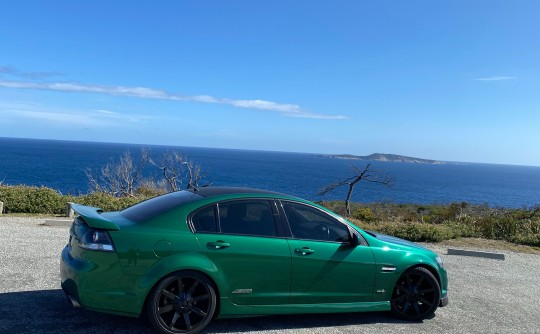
154,249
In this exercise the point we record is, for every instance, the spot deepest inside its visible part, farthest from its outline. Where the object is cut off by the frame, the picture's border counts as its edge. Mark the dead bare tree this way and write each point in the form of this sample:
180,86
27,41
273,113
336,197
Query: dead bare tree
367,174
119,178
177,169
195,175
129,178
170,169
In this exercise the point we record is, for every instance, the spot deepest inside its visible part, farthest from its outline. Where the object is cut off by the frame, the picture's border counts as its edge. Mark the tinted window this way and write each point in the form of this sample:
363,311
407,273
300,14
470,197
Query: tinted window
159,205
205,220
307,222
253,217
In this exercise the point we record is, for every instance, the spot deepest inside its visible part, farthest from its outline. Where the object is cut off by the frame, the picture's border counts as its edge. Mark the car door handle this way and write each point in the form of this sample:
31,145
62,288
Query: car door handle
218,244
304,251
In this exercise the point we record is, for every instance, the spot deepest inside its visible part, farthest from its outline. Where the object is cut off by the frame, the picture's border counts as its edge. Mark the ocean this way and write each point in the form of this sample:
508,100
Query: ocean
60,165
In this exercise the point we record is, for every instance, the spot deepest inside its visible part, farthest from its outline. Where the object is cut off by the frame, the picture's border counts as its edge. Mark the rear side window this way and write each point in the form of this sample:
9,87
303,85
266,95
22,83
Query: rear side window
204,220
250,217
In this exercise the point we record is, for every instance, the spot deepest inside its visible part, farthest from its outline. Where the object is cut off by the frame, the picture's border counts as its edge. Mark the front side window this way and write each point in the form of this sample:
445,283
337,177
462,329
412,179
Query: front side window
307,222
250,217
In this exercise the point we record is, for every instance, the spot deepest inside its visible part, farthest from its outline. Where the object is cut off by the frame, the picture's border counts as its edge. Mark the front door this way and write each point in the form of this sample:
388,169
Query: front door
326,268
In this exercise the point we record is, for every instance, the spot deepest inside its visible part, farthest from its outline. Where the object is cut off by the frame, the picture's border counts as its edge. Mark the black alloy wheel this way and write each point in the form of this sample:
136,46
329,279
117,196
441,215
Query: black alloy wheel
184,302
416,295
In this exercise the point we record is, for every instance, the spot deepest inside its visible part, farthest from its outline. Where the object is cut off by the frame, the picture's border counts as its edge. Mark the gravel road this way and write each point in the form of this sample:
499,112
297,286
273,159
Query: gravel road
486,296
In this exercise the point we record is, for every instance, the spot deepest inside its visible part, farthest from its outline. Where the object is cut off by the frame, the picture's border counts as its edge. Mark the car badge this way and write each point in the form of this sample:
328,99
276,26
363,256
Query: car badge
242,291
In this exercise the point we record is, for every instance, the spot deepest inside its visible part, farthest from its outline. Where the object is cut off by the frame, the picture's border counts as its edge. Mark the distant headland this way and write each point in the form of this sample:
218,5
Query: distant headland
382,157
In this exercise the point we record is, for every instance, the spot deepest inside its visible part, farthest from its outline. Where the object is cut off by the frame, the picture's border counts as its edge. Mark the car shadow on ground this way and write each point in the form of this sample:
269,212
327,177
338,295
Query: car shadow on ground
301,321
47,311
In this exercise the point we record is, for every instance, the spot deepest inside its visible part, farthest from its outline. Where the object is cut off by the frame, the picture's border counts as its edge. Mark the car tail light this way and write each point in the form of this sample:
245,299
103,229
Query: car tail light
97,240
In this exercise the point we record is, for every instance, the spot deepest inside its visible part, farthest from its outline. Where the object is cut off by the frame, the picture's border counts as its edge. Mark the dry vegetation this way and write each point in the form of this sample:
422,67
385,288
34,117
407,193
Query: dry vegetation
435,223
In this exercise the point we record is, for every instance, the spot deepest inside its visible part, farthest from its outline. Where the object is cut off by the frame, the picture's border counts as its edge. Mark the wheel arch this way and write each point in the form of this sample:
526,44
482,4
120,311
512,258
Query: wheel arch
210,279
431,269
176,263
410,293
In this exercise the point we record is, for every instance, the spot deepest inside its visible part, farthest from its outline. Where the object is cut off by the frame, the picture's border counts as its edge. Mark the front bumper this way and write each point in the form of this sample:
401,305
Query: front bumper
444,287
443,302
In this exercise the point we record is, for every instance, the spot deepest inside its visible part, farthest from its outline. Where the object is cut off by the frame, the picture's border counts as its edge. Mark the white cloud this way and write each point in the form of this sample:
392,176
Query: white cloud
495,78
292,110
317,116
264,105
107,112
68,117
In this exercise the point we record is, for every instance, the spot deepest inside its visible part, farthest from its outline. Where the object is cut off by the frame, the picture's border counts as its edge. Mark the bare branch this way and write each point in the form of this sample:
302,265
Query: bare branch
331,187
127,178
367,174
177,170
119,178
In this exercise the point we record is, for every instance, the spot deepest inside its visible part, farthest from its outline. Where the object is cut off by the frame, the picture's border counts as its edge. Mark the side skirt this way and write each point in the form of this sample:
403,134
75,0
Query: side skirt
125,314
231,310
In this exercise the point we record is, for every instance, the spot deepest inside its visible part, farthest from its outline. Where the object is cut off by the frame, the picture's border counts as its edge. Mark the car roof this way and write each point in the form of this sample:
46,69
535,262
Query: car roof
158,205
218,191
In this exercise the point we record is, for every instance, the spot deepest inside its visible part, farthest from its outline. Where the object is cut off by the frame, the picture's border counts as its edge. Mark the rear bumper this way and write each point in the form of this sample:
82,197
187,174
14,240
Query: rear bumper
95,281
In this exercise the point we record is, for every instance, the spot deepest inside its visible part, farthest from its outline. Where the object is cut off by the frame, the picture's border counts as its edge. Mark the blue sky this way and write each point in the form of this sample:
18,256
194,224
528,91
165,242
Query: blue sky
454,80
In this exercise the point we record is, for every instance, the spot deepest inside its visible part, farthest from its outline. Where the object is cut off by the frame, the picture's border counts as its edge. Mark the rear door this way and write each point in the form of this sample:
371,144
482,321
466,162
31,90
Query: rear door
326,268
248,248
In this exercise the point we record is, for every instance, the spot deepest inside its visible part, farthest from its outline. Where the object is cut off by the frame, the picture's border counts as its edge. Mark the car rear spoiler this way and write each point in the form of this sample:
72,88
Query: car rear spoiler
92,216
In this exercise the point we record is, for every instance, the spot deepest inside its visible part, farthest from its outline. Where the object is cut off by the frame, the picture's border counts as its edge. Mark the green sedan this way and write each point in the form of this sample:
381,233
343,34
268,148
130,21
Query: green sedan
188,257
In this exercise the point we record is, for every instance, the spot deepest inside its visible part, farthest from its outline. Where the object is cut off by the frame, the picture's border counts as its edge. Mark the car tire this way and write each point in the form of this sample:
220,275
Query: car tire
183,302
416,295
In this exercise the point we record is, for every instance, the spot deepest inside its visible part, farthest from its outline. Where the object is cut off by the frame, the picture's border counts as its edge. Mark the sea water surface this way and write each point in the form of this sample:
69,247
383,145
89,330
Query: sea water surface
60,165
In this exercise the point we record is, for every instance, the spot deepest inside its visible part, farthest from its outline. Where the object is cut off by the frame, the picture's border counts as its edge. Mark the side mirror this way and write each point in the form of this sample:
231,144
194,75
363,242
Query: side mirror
354,241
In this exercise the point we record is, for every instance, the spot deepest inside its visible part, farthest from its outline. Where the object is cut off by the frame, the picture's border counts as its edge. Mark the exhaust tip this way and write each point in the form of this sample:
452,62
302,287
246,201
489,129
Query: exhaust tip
73,301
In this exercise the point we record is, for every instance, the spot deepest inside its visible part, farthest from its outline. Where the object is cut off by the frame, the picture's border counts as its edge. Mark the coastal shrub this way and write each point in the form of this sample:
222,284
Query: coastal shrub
415,231
492,227
463,230
526,233
438,214
505,226
335,206
526,239
151,188
411,231
42,200
106,202
23,199
364,214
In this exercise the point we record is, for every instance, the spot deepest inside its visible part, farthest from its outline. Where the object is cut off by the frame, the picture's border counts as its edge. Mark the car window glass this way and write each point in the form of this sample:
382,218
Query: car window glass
204,220
156,206
307,222
251,217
